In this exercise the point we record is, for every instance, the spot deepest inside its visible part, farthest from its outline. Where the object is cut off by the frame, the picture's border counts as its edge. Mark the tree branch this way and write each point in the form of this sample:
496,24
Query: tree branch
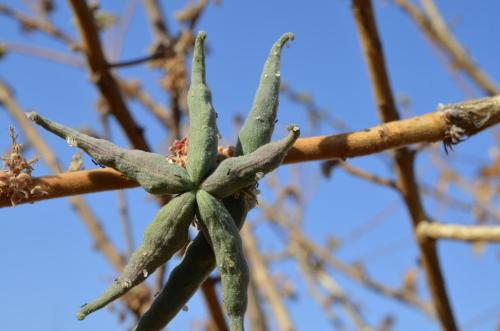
470,116
432,25
102,76
263,281
403,158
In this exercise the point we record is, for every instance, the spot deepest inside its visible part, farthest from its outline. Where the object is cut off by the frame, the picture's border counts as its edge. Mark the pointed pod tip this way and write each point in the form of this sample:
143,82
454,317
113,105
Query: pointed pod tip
294,129
286,37
201,36
80,316
32,116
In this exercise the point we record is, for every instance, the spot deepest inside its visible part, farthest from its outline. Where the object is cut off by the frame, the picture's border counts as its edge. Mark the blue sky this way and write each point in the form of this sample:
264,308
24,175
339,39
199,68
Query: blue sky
49,266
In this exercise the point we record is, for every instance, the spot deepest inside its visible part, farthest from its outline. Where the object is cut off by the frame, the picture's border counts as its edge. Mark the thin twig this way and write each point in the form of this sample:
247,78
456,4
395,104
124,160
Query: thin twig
432,25
144,59
133,89
357,232
467,187
213,304
255,313
360,173
356,274
46,27
157,22
121,29
336,295
43,53
263,281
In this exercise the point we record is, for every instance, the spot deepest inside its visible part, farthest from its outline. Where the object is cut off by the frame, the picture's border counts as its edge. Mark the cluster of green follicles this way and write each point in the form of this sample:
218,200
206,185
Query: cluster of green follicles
212,192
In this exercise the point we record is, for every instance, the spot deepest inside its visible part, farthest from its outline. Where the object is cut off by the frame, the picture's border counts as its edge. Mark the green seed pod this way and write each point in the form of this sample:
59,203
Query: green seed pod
164,236
152,171
259,125
203,133
218,225
235,173
196,265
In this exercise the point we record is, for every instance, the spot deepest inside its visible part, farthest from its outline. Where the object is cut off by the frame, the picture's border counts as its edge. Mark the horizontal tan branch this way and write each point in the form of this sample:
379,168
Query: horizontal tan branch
429,230
75,183
451,121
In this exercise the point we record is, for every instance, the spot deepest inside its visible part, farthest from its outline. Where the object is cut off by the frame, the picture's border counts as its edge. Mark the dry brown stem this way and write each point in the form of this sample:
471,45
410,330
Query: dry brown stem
43,53
435,29
28,23
260,274
403,158
255,313
102,76
354,273
359,276
157,23
133,89
375,179
213,305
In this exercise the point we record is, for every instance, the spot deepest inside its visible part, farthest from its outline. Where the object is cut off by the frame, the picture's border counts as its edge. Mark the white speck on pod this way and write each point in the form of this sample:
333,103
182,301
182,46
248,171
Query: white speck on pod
145,273
277,74
71,141
126,283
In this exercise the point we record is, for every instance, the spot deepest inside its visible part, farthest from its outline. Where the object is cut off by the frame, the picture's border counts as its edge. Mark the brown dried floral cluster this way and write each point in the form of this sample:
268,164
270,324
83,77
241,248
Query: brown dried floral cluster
15,179
178,152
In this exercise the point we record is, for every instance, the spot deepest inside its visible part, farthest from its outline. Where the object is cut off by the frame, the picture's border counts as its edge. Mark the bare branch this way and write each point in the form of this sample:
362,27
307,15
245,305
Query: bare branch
431,230
473,116
102,76
27,23
43,53
262,279
403,158
255,313
435,29
213,304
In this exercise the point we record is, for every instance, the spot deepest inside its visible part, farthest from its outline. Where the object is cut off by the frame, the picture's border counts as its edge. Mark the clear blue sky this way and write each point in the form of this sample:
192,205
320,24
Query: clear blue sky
48,265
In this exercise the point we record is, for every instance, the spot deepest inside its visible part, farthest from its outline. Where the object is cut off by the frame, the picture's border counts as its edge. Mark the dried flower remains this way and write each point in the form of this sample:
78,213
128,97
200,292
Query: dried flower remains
16,182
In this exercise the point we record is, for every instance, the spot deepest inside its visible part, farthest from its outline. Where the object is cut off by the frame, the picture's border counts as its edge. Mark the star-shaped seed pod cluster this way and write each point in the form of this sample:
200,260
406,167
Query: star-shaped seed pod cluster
219,195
